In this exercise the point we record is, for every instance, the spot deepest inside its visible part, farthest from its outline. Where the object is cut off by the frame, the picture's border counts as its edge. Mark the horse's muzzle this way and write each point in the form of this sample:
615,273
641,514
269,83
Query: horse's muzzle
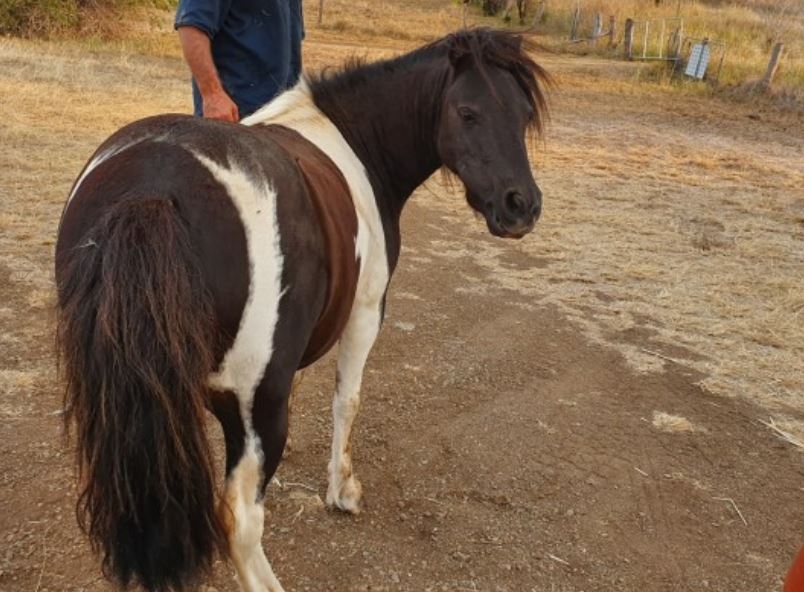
517,214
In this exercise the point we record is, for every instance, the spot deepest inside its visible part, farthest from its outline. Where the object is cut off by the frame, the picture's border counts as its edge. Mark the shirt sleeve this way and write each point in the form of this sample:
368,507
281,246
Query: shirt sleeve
206,15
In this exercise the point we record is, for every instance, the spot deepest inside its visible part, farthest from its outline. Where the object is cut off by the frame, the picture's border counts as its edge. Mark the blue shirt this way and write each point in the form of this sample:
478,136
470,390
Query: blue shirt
256,46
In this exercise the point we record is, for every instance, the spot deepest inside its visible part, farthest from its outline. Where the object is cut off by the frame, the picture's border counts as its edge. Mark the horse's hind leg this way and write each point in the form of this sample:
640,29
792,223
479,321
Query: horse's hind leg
344,491
243,506
264,429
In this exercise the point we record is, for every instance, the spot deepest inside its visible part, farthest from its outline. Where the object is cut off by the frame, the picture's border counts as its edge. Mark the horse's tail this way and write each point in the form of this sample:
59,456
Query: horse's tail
136,341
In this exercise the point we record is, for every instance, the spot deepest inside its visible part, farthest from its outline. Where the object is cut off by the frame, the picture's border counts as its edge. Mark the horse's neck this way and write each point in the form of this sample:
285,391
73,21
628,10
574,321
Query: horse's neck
391,121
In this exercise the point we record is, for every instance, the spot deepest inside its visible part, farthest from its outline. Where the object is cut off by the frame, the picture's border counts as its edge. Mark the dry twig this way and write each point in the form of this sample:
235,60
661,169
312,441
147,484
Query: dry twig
300,485
298,514
558,559
662,356
786,436
733,505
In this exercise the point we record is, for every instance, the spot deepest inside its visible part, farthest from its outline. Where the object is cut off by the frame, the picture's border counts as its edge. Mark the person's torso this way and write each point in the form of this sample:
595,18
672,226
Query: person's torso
257,51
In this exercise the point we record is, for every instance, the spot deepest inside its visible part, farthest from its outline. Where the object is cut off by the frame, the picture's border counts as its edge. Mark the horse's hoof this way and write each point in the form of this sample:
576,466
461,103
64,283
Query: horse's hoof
348,497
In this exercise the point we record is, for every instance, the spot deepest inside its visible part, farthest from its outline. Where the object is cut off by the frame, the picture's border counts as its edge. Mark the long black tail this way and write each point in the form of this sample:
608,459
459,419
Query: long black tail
136,341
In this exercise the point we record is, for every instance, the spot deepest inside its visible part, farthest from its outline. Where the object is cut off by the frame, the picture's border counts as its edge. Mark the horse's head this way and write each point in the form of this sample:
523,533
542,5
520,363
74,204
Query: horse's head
493,97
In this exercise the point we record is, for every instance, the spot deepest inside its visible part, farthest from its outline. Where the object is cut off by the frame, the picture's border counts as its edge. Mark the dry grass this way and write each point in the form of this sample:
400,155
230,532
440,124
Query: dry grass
667,422
748,28
402,20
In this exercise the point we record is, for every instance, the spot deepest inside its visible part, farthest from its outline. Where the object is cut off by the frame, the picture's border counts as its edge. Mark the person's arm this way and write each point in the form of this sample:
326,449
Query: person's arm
217,104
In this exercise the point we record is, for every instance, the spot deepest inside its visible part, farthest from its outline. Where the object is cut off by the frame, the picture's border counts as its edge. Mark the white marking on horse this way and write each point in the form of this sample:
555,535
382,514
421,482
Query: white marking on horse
245,538
244,365
297,110
344,489
97,160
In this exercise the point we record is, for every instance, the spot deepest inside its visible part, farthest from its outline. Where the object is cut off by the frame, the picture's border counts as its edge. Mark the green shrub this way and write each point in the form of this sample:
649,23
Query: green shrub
48,17
38,17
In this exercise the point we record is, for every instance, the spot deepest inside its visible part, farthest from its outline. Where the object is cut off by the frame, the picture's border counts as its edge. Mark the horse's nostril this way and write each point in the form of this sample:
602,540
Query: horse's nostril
515,203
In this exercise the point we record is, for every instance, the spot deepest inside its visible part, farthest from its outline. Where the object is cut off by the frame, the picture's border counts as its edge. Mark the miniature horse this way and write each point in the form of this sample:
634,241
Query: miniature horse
201,264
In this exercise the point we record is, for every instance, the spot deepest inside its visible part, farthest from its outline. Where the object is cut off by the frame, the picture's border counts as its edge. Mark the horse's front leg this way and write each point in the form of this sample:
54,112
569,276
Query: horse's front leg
344,490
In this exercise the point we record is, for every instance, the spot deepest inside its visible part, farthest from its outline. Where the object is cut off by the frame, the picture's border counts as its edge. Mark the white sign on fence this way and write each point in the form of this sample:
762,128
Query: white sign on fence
699,61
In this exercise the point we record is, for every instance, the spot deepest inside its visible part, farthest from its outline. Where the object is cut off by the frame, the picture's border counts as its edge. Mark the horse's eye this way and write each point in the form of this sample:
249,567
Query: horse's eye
467,114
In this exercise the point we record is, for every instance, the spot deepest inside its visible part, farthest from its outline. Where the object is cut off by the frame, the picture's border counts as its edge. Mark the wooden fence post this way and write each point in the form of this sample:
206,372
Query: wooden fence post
674,45
612,29
598,28
509,8
541,11
773,65
628,41
576,18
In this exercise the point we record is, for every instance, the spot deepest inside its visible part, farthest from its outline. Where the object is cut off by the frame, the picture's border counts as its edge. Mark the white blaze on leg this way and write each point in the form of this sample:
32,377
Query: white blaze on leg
246,518
344,490
243,367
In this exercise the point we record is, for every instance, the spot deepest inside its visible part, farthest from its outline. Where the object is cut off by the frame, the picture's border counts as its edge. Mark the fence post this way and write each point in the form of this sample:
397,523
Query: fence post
509,8
612,29
773,65
576,17
541,11
597,32
674,45
645,40
628,40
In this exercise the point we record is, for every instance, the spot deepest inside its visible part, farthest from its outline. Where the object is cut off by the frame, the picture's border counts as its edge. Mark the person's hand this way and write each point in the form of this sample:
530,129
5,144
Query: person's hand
219,105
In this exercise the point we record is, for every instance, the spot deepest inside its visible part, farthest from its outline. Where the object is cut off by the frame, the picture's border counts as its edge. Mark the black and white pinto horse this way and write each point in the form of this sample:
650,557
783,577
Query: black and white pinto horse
200,265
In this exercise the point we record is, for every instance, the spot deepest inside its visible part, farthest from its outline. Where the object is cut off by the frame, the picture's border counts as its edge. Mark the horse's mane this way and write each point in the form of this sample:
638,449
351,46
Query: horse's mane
499,48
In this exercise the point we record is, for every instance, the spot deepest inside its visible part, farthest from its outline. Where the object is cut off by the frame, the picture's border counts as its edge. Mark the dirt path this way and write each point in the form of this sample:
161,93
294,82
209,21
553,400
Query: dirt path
512,436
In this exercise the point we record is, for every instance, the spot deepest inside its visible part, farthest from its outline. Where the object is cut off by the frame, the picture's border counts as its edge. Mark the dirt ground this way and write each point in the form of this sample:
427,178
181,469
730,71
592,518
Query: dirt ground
578,411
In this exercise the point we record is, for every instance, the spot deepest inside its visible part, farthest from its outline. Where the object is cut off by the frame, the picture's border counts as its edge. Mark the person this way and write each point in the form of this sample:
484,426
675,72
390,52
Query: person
241,53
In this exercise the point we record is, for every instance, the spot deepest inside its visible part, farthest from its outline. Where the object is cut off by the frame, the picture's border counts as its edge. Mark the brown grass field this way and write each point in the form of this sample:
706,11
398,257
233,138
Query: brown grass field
614,403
